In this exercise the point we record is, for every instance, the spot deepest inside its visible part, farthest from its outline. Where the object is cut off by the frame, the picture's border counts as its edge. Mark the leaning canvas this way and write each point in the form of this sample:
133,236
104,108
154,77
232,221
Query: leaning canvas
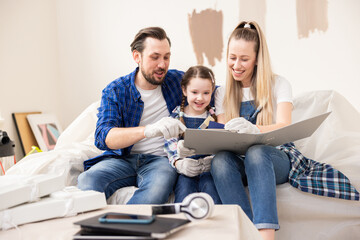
46,129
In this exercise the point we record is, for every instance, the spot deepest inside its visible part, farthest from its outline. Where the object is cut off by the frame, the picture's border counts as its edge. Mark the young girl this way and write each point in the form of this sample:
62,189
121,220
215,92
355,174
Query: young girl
197,84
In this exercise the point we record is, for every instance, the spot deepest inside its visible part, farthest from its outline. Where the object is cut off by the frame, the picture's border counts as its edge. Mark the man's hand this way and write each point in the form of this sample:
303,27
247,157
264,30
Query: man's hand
168,127
241,125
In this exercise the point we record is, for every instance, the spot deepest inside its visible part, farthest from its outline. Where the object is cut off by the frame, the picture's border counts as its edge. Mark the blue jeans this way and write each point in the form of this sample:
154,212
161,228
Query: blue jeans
261,169
202,183
153,175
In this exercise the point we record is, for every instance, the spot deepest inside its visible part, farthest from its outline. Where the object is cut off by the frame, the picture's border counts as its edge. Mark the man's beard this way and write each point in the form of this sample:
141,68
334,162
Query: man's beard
151,79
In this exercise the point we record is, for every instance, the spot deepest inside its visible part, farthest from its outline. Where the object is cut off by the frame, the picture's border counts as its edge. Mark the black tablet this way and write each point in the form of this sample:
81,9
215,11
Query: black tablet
161,227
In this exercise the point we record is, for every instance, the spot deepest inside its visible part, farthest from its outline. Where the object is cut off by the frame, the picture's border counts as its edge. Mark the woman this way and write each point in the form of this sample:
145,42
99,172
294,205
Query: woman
255,100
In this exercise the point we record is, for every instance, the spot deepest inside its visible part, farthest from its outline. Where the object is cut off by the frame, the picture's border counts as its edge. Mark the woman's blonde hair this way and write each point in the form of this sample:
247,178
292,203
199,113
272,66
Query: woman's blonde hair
261,80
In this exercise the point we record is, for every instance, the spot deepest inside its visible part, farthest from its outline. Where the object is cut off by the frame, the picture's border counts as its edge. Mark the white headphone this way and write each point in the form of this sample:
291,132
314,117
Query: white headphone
196,206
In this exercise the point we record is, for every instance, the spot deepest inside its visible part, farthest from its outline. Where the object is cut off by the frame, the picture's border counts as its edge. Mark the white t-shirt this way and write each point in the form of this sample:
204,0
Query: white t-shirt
281,92
203,115
154,109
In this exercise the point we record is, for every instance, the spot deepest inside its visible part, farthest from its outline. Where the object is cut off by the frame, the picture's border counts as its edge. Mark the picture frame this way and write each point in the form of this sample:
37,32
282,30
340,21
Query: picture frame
26,135
46,129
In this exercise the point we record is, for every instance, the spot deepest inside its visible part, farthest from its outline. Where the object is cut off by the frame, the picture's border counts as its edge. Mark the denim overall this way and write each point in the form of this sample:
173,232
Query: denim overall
248,111
260,169
201,183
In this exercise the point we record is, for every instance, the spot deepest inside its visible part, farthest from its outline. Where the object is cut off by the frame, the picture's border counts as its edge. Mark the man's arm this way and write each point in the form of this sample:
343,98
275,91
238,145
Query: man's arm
124,137
166,127
110,129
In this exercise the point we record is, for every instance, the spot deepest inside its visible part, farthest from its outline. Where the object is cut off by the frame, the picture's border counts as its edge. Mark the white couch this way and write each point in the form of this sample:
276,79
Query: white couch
302,215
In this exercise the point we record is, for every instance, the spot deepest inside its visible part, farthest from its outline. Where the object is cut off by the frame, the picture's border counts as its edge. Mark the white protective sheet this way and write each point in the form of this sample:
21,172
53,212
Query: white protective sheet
301,215
336,142
75,145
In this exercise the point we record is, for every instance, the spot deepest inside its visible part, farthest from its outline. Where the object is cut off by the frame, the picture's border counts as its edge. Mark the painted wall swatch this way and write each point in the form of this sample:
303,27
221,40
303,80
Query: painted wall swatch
311,15
206,35
253,10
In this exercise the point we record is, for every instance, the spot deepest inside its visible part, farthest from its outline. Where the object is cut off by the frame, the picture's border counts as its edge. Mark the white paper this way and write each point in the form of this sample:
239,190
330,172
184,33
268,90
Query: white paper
211,141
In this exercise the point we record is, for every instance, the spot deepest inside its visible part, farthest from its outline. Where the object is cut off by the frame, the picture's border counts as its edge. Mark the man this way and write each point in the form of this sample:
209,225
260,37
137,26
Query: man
132,123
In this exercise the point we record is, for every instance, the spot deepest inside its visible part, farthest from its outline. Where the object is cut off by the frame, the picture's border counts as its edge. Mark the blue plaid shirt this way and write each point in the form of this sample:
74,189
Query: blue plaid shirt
121,106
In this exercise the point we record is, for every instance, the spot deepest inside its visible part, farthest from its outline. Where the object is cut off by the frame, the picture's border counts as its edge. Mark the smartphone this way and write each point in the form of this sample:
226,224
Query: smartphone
126,218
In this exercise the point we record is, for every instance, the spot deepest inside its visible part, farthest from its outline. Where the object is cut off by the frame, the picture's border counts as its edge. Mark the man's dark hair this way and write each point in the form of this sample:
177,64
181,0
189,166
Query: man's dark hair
153,32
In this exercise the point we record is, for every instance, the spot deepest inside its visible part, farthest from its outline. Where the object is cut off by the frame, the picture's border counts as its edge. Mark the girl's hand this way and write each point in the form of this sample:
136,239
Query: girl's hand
206,163
188,167
241,125
184,151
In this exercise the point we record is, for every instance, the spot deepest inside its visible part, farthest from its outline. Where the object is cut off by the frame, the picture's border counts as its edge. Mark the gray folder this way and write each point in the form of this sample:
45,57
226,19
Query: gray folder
211,141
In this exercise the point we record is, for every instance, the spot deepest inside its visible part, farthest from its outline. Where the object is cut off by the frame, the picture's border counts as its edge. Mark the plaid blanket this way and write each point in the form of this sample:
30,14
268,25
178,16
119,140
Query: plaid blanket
317,178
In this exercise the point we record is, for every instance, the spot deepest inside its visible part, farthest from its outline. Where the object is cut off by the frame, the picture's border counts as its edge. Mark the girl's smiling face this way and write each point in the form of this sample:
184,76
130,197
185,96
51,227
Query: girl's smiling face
198,93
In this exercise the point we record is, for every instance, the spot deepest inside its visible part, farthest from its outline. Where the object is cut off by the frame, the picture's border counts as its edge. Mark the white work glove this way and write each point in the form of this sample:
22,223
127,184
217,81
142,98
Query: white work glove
206,163
241,125
168,127
184,151
188,167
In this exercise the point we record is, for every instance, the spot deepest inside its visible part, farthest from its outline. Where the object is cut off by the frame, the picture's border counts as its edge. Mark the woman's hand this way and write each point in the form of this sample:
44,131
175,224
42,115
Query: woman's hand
241,125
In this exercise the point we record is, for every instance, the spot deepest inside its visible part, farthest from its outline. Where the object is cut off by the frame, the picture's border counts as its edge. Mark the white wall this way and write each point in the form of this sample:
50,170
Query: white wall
324,60
95,37
29,75
57,55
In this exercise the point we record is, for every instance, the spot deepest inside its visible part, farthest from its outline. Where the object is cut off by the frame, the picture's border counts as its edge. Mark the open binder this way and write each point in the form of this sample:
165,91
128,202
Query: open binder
211,141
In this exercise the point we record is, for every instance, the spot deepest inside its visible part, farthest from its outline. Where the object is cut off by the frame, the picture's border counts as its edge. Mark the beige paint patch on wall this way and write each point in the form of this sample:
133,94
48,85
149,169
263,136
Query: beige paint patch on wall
206,34
311,15
253,10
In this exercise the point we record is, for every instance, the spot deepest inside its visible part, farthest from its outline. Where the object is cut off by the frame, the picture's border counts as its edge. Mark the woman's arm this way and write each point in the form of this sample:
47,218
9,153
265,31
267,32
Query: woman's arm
219,99
283,117
221,118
